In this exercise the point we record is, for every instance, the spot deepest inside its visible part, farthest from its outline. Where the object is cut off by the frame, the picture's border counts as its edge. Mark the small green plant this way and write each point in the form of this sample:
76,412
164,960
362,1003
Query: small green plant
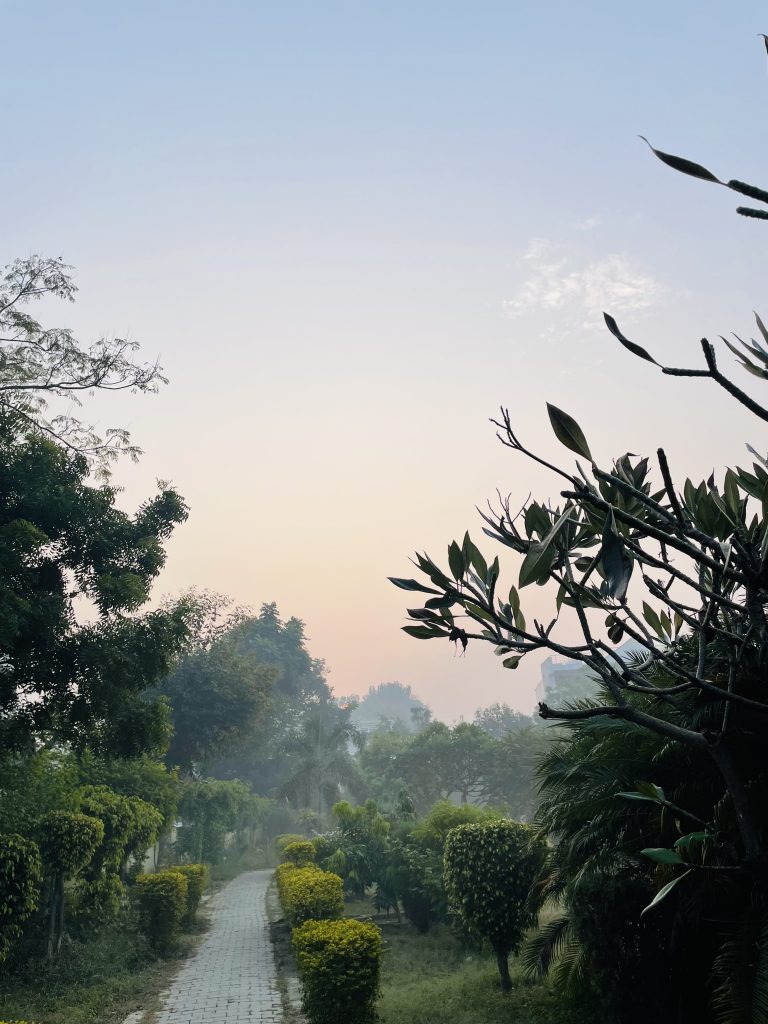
197,880
301,853
309,893
20,880
339,962
489,870
162,902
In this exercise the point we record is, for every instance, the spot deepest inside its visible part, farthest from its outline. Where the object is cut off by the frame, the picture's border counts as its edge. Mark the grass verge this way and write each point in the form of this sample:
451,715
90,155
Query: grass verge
99,981
433,979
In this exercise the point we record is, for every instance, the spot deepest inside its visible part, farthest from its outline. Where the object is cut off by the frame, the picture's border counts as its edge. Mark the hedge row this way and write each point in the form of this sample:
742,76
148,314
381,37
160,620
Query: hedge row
168,900
338,960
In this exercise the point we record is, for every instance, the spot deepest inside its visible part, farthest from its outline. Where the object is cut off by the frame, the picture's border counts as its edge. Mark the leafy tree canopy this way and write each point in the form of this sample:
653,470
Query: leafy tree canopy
65,547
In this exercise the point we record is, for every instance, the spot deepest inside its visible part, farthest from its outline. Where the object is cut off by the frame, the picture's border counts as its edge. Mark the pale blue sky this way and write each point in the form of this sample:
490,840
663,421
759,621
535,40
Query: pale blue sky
352,230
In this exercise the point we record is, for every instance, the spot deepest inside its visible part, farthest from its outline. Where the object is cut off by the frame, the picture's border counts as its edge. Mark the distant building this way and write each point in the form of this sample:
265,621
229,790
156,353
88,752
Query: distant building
566,681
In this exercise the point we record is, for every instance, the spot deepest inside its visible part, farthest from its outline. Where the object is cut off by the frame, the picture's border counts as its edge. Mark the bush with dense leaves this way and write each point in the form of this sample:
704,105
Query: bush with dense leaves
489,870
309,893
162,904
197,880
20,880
285,839
301,853
339,963
68,841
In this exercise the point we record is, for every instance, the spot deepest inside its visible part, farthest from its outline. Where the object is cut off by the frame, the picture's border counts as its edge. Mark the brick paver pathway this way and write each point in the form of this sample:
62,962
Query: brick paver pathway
231,979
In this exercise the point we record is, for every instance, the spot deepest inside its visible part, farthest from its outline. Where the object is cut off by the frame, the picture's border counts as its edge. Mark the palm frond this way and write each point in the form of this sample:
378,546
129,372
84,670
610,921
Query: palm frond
541,949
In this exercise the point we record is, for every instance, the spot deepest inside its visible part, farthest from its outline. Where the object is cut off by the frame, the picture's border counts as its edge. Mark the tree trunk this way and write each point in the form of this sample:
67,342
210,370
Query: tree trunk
55,918
502,959
740,799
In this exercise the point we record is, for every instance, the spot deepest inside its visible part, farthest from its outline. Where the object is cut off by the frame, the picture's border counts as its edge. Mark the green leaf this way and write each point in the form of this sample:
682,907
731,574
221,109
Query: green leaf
679,163
616,565
568,432
652,619
411,585
663,893
536,564
635,349
423,632
646,791
456,560
659,855
693,837
474,557
512,662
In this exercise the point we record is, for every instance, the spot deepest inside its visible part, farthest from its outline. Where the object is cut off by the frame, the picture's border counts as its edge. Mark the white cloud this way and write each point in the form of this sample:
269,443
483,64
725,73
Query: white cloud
557,280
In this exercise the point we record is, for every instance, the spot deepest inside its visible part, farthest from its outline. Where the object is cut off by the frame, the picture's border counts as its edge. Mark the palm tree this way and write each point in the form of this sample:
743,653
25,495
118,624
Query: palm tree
319,757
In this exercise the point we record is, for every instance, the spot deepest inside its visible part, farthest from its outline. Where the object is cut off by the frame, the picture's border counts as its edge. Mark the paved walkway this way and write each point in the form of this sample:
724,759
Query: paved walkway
231,979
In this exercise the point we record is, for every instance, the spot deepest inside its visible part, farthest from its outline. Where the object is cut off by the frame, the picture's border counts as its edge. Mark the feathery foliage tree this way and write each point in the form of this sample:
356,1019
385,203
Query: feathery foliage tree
40,364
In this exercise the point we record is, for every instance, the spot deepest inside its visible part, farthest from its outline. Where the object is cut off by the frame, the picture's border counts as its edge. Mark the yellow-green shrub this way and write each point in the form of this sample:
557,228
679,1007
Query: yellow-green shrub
197,880
339,966
20,881
309,893
162,902
301,853
283,840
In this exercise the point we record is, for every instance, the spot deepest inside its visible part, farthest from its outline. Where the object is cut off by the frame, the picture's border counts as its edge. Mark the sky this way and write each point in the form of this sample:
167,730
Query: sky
351,232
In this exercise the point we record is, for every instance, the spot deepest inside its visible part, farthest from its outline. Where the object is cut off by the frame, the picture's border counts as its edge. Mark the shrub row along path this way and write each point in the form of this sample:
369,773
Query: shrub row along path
231,979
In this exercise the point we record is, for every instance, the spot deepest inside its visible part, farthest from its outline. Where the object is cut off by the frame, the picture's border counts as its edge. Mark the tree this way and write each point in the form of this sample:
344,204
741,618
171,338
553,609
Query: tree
500,719
298,687
681,570
489,870
217,692
319,763
38,364
390,703
66,548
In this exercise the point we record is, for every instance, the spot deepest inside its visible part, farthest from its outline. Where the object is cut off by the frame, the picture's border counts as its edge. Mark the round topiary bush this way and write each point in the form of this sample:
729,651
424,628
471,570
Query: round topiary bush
162,904
489,870
197,880
339,963
309,893
301,853
20,881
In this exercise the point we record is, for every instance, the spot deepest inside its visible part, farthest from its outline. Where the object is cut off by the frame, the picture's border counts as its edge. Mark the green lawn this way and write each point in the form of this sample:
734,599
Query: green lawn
432,979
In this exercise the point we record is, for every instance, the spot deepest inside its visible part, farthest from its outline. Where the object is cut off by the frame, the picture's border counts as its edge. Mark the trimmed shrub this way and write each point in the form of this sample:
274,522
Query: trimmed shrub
339,963
301,853
489,870
68,843
309,894
162,902
20,880
96,903
197,881
283,840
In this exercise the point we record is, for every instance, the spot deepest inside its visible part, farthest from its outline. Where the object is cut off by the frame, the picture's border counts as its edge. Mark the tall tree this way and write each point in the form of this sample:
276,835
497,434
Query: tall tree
319,761
217,692
65,547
